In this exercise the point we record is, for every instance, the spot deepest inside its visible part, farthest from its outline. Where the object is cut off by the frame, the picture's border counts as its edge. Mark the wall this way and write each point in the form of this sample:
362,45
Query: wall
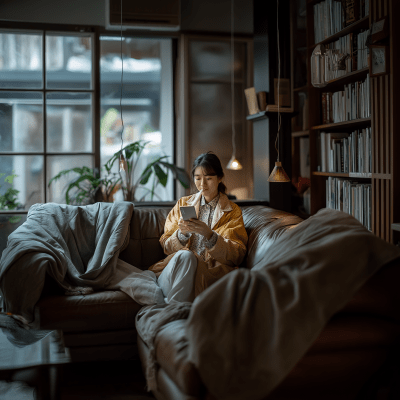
200,16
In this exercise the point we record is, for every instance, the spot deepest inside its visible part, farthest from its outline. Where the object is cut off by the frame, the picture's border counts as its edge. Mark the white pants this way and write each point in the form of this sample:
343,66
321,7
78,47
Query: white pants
177,278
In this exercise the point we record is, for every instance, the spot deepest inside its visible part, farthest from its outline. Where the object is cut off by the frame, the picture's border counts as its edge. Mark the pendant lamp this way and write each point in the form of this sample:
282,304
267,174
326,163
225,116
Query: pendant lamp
278,174
122,161
233,163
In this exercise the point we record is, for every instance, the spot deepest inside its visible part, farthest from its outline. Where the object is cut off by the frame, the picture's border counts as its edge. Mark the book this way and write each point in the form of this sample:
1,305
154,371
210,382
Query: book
284,92
304,153
252,102
352,11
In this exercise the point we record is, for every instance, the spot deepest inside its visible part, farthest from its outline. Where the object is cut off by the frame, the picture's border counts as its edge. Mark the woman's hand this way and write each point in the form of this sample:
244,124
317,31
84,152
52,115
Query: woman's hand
195,226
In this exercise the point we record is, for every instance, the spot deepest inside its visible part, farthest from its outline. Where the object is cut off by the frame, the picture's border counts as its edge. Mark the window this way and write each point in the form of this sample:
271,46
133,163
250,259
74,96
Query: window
48,100
147,101
46,115
46,112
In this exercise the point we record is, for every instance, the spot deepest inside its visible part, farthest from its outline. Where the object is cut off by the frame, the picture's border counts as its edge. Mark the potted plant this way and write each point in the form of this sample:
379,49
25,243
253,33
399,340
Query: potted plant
90,187
9,202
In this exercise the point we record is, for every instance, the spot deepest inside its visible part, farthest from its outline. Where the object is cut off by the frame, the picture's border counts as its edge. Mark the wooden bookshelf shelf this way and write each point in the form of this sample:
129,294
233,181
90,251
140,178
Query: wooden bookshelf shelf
344,124
300,133
363,23
301,88
344,175
350,77
267,113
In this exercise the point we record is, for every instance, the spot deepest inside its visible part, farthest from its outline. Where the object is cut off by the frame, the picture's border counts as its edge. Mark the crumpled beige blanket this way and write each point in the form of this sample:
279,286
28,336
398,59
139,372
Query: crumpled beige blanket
149,321
248,330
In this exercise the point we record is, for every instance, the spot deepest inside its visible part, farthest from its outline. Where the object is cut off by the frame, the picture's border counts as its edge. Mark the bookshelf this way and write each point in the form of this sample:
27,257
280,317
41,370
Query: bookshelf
383,180
300,132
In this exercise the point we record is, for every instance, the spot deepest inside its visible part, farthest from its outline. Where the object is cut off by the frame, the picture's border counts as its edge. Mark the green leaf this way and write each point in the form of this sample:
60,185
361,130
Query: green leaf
10,178
179,173
144,178
14,219
161,175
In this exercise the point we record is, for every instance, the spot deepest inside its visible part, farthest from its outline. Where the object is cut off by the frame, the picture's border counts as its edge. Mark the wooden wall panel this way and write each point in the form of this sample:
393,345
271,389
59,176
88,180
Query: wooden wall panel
382,139
381,212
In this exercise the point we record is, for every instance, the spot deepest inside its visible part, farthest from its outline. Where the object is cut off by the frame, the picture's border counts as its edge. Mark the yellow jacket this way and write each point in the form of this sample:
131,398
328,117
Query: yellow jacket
227,253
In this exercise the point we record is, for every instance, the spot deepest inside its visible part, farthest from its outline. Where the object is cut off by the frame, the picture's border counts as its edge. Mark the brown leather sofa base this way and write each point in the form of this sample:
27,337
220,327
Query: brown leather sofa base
104,353
99,311
348,352
98,326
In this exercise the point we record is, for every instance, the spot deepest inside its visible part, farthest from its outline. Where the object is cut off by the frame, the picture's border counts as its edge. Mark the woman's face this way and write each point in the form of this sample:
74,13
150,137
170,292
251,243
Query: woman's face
207,183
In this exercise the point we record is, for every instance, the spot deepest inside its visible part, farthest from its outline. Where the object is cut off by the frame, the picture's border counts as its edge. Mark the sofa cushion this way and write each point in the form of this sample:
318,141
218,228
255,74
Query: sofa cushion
147,226
263,226
99,311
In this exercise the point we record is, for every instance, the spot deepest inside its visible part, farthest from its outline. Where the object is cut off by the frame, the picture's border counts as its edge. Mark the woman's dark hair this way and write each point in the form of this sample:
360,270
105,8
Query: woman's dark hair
211,166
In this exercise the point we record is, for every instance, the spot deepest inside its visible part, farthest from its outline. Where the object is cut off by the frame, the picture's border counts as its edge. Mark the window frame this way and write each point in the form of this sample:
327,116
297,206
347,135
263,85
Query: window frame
64,30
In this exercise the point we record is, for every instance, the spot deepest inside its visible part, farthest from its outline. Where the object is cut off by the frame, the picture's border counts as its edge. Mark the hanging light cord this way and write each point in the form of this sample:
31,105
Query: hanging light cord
232,82
120,99
279,79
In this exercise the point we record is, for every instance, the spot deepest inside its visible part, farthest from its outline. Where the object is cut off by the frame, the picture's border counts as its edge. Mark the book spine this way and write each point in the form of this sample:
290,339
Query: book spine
324,108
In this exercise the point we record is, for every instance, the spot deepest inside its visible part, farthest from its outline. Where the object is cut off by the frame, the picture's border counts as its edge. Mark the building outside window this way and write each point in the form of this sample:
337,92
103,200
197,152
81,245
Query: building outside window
147,101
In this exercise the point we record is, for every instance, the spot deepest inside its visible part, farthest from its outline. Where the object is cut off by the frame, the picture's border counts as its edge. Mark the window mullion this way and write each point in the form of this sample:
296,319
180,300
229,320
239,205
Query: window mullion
44,117
96,97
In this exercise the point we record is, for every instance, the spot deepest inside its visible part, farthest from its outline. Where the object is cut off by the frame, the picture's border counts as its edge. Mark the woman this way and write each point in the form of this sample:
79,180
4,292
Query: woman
201,251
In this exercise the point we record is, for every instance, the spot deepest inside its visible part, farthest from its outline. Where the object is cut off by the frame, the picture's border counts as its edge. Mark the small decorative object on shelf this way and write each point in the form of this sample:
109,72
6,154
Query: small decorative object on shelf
318,66
339,64
251,99
379,30
262,100
379,59
284,92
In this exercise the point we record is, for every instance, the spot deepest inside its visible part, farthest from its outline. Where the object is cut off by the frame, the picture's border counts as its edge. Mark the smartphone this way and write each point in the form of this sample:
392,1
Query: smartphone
188,212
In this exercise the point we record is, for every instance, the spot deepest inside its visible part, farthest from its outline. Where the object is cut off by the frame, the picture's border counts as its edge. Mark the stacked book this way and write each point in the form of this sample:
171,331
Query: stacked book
346,153
362,50
351,103
328,19
364,8
353,198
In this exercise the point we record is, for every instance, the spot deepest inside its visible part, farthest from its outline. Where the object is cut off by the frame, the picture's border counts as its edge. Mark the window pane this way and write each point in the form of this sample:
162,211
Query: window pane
21,121
69,122
21,60
8,224
209,116
146,102
56,164
68,62
29,180
212,60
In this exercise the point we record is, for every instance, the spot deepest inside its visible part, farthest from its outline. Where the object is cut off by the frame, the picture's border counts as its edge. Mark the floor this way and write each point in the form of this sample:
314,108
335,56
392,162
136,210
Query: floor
118,380
94,381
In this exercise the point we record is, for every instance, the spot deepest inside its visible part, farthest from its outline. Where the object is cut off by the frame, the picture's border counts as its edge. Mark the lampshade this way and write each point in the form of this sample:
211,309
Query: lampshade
234,164
278,174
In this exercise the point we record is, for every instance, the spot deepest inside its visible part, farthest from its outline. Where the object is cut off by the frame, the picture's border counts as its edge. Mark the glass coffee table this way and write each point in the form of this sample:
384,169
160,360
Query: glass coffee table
34,357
